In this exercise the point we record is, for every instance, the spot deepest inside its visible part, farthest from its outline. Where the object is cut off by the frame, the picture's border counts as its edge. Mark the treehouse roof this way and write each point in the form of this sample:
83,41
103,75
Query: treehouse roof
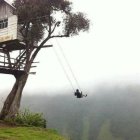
7,2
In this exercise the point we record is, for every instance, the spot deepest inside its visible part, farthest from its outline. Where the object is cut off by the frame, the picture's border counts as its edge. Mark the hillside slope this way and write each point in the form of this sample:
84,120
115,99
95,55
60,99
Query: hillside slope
28,133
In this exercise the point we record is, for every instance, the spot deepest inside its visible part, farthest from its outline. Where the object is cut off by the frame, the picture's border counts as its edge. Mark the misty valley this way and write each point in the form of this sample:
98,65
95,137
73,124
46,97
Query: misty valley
107,114
69,45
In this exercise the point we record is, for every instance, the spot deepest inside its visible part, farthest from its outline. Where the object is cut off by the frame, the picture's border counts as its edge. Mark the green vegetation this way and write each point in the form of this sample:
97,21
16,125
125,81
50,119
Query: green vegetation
25,126
28,118
28,133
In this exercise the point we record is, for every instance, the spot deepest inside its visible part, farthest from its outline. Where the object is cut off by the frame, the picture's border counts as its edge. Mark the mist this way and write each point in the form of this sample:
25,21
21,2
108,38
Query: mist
108,112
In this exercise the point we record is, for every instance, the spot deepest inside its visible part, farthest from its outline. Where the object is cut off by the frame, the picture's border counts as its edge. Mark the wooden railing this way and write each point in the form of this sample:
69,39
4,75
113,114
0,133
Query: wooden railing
17,63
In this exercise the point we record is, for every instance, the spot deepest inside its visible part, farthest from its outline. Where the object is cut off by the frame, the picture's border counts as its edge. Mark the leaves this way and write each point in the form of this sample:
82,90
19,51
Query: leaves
75,23
49,18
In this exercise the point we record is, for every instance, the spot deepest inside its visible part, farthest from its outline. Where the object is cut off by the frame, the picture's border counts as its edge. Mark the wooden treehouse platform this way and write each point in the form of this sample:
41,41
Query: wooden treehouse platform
11,71
13,64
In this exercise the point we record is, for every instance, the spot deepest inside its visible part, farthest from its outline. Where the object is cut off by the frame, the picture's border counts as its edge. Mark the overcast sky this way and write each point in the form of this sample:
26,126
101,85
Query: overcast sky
108,53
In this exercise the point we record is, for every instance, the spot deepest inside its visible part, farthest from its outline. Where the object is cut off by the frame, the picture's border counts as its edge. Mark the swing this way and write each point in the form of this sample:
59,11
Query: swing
78,93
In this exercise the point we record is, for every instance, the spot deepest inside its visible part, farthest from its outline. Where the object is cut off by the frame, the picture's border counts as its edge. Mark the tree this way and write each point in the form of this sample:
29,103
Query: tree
41,21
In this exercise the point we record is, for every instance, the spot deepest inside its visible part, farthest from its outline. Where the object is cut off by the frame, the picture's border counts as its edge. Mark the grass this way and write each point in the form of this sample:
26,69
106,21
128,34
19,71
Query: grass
28,133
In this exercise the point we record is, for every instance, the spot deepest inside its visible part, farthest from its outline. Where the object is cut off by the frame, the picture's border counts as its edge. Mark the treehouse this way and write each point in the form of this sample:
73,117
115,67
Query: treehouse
11,41
12,47
9,28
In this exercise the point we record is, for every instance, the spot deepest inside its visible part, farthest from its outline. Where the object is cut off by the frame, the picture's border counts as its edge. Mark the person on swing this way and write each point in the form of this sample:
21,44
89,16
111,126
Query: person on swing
79,94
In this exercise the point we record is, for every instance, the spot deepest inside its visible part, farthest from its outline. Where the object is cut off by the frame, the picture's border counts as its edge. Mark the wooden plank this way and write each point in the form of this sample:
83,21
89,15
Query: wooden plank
7,57
12,72
2,66
6,62
32,73
9,60
35,62
45,46
33,66
2,56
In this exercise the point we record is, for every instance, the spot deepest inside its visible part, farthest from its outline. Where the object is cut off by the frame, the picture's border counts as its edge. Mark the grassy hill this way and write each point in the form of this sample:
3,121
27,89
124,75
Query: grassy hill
28,133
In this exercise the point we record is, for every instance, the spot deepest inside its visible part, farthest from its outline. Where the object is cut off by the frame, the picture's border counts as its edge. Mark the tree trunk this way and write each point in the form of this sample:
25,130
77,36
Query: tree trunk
12,103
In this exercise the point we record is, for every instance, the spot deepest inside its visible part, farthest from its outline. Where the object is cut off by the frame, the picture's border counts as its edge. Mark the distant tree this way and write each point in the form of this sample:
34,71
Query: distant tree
41,20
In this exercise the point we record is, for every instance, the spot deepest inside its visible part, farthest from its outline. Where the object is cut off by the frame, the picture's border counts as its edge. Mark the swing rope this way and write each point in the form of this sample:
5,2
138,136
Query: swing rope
68,64
62,65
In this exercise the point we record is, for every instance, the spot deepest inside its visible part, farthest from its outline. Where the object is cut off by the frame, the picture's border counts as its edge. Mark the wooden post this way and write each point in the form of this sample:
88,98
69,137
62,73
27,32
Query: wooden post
4,59
9,60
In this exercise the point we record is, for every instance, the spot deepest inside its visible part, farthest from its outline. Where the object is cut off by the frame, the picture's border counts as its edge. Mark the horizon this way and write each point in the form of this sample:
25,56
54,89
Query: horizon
108,53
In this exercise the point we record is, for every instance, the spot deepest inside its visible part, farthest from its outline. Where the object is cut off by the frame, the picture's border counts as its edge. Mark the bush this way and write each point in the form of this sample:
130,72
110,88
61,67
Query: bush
28,118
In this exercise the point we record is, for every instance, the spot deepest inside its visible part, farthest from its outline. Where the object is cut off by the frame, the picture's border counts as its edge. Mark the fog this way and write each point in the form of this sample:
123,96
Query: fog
110,50
110,113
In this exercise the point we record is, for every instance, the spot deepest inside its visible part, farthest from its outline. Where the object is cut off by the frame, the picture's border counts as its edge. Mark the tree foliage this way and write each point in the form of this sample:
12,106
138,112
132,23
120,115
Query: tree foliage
37,17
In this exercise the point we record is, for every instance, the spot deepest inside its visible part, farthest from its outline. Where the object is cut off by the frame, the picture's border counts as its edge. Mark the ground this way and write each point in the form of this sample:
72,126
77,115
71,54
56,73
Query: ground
11,132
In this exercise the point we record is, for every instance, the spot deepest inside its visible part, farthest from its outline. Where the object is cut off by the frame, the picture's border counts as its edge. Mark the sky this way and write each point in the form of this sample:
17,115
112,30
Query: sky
108,53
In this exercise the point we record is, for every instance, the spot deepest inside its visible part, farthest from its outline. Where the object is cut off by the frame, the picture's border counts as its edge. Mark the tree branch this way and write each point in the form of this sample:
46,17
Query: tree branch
49,24
56,25
21,29
50,32
43,42
39,48
59,36
46,28
27,29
